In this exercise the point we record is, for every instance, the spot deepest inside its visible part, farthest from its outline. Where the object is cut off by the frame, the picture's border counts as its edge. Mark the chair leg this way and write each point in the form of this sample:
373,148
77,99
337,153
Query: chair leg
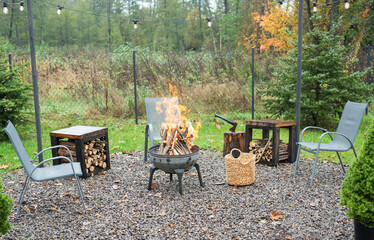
297,159
22,195
341,163
80,192
314,167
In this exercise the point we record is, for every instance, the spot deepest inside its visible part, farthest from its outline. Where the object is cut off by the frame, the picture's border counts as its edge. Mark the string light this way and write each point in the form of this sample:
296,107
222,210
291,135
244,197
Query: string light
5,8
21,8
135,23
209,22
346,4
314,7
59,8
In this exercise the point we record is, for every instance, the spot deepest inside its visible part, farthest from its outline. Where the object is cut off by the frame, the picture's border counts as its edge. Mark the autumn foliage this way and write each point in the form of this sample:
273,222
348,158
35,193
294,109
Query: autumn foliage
277,28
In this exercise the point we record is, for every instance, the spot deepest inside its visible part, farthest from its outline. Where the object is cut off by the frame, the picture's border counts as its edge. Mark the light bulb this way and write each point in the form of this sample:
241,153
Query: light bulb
21,8
135,24
209,21
5,8
346,4
314,7
59,10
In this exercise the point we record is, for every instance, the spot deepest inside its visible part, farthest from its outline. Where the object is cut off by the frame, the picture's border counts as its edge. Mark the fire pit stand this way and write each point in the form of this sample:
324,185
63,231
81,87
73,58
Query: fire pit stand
174,165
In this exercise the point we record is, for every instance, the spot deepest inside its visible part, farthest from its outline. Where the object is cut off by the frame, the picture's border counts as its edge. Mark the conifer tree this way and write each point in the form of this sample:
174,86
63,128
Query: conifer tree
15,96
326,82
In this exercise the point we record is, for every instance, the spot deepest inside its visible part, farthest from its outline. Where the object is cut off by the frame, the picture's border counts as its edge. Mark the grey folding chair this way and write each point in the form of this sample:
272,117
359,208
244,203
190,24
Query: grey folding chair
343,139
39,173
154,120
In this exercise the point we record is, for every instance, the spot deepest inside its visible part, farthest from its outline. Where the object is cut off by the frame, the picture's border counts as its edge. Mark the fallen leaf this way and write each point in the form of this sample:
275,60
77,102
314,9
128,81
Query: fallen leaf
162,213
218,126
276,216
132,188
153,186
316,180
172,226
4,166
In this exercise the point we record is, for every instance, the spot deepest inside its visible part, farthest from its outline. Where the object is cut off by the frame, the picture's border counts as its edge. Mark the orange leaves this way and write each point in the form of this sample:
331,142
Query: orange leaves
276,216
5,166
276,29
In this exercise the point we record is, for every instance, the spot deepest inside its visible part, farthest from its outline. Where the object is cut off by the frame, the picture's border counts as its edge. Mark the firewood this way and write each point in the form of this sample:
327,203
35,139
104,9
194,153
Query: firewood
92,168
65,152
104,165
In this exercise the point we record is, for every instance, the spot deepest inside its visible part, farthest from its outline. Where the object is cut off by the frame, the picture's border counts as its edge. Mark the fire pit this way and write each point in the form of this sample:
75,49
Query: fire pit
174,164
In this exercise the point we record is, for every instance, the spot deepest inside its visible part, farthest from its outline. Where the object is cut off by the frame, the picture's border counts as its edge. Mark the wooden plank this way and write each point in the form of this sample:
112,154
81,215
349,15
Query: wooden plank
78,132
270,123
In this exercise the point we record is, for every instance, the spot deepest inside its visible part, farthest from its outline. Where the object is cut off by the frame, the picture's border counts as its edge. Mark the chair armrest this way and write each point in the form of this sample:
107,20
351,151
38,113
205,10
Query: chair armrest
335,133
310,127
50,159
57,146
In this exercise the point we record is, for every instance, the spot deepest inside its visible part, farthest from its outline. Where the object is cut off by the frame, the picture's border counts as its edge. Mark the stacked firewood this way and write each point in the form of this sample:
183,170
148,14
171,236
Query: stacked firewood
175,140
263,150
94,154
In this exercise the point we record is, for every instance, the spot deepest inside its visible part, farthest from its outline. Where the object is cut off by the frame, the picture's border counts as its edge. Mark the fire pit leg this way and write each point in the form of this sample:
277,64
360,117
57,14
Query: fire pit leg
199,174
180,172
171,177
151,172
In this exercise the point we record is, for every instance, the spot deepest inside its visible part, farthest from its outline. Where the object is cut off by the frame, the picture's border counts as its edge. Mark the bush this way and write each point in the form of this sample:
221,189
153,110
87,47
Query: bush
5,211
327,83
15,96
357,192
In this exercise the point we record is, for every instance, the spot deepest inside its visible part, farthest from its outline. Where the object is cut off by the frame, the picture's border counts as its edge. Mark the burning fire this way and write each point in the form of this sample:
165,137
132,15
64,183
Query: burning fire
176,132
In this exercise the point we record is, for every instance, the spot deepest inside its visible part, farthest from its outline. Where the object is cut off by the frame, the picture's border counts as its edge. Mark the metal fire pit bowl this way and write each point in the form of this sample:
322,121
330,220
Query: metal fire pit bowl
177,164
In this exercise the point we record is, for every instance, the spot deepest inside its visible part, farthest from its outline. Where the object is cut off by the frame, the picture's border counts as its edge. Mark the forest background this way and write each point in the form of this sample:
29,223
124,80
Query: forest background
85,55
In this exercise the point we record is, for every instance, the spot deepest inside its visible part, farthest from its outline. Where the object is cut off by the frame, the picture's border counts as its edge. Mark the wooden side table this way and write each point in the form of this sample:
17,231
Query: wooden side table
79,135
273,125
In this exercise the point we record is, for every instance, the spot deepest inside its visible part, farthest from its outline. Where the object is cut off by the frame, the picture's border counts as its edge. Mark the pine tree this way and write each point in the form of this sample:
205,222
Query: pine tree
15,96
326,82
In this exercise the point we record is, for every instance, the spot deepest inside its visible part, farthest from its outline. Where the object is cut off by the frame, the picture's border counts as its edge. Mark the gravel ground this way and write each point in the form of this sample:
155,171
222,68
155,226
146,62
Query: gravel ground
277,206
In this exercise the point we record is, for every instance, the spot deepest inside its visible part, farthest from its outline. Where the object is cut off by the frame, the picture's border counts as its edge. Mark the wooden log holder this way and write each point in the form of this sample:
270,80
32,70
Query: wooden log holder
274,126
88,145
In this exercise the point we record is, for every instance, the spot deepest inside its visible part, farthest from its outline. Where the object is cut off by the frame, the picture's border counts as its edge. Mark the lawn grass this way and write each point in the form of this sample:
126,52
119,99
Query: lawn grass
126,136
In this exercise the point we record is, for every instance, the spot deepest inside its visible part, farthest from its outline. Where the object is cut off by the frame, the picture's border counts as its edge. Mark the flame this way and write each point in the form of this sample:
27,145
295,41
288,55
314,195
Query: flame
177,125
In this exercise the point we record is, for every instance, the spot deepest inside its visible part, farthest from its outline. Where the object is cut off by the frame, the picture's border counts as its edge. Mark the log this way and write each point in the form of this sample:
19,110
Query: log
65,152
233,140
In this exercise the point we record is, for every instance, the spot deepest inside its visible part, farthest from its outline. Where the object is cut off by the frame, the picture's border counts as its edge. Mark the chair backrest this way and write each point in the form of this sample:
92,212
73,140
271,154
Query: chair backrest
154,115
350,121
11,131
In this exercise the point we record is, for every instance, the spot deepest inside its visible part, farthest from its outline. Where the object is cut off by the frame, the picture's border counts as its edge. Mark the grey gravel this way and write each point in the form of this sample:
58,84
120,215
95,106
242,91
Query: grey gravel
120,206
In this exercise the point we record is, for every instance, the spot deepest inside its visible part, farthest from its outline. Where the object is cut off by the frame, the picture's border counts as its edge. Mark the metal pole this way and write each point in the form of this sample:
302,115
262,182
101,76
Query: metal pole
34,78
136,104
299,68
253,83
10,61
368,74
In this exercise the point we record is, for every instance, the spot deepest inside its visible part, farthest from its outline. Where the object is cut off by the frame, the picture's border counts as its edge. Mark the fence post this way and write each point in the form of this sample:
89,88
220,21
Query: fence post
253,83
10,61
368,74
136,104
